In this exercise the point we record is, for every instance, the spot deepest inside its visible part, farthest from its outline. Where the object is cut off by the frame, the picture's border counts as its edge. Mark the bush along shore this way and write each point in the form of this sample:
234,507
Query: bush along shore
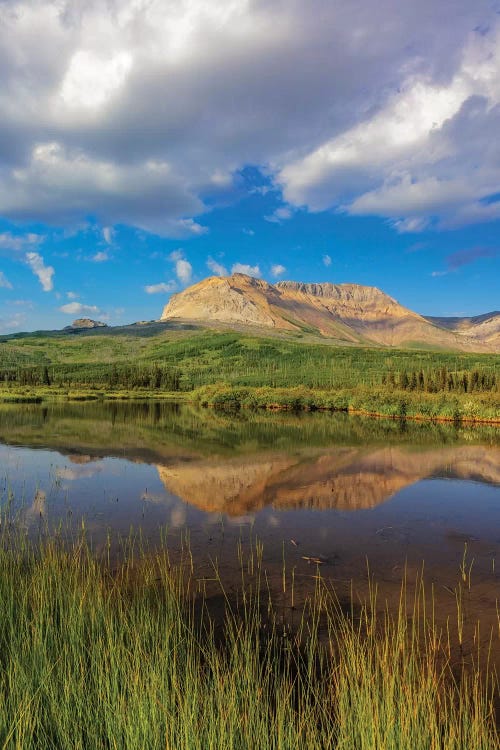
375,401
96,654
396,404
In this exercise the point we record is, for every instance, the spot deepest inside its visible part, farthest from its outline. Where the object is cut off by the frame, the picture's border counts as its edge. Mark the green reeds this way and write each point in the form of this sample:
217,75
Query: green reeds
99,655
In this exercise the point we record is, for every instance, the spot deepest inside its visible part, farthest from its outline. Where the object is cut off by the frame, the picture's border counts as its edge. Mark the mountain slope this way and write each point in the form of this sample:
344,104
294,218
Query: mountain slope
347,312
484,328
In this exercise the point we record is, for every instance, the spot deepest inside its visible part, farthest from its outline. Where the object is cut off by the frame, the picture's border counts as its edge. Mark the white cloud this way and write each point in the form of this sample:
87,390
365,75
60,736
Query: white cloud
108,234
246,269
250,232
92,79
19,242
428,155
100,257
72,295
327,261
183,269
280,214
12,322
4,282
77,308
162,288
141,112
277,270
217,268
42,272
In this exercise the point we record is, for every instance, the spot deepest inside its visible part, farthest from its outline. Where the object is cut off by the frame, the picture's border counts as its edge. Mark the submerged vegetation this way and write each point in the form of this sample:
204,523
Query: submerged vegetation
246,370
96,654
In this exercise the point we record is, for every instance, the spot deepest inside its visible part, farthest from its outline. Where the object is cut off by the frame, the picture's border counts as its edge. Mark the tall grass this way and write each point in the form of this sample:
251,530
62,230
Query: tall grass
369,401
99,655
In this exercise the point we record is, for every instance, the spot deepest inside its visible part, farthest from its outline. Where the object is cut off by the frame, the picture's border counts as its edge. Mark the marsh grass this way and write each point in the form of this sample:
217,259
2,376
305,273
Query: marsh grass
99,655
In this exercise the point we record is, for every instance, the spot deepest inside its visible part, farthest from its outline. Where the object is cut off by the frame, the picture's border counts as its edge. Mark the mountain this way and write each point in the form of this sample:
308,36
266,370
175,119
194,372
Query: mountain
484,328
344,312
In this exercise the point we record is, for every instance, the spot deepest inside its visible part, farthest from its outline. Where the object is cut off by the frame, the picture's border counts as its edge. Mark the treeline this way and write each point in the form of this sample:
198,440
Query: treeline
152,377
441,380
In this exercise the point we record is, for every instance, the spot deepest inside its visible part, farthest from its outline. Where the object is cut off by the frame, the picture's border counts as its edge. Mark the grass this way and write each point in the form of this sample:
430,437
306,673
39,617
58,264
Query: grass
399,404
220,366
95,654
205,356
365,400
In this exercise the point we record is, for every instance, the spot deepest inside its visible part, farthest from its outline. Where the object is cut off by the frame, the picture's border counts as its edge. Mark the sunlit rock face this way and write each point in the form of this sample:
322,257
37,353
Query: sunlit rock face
345,312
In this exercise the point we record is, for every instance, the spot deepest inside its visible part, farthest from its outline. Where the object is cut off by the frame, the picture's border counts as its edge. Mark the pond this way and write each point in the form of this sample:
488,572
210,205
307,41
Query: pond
346,497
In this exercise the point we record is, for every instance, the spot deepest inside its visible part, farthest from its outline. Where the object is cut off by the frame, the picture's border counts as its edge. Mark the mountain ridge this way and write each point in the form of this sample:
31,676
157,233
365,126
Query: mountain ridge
346,312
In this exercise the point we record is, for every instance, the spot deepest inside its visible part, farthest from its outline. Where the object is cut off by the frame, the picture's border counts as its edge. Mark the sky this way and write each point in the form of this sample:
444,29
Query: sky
148,144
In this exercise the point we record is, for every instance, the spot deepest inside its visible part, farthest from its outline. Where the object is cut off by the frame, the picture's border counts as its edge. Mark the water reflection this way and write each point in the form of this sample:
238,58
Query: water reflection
327,487
342,479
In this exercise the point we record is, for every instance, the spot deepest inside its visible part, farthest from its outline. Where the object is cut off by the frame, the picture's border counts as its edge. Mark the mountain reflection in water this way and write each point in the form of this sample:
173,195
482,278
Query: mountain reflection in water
354,494
342,479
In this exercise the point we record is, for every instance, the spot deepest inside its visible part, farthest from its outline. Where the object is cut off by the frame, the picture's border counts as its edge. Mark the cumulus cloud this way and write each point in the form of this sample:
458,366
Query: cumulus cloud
72,295
4,282
217,268
143,113
161,288
429,156
277,270
77,308
42,272
184,270
246,269
327,261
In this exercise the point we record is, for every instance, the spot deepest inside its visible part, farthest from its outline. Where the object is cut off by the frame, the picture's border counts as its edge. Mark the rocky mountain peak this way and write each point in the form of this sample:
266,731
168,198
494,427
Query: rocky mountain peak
346,313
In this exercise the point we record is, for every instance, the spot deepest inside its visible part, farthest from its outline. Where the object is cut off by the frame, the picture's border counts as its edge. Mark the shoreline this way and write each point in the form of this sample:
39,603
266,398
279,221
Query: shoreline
394,406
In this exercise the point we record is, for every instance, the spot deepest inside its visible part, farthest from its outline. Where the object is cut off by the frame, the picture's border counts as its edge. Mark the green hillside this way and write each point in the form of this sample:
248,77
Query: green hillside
200,357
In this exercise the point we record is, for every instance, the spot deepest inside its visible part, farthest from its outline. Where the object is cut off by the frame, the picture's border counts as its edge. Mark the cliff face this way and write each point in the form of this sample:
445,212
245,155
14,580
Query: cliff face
345,312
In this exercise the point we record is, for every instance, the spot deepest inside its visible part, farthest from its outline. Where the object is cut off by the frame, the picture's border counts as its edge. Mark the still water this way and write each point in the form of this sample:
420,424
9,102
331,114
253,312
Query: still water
320,491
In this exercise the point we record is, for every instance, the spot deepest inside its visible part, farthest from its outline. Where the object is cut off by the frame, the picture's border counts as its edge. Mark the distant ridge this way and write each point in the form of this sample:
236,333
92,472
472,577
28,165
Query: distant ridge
484,328
344,312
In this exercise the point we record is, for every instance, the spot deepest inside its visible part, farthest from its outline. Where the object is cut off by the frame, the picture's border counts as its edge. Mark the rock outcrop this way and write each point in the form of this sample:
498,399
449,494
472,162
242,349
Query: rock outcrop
87,323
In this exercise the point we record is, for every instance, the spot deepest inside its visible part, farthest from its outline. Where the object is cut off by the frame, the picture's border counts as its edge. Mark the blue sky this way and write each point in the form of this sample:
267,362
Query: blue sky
145,146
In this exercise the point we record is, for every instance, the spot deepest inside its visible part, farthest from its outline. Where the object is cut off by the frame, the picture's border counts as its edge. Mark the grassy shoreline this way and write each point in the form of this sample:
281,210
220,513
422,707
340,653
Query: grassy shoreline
481,408
472,408
98,655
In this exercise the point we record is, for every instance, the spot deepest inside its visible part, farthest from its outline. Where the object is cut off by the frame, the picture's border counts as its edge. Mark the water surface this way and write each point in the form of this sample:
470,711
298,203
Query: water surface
324,492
